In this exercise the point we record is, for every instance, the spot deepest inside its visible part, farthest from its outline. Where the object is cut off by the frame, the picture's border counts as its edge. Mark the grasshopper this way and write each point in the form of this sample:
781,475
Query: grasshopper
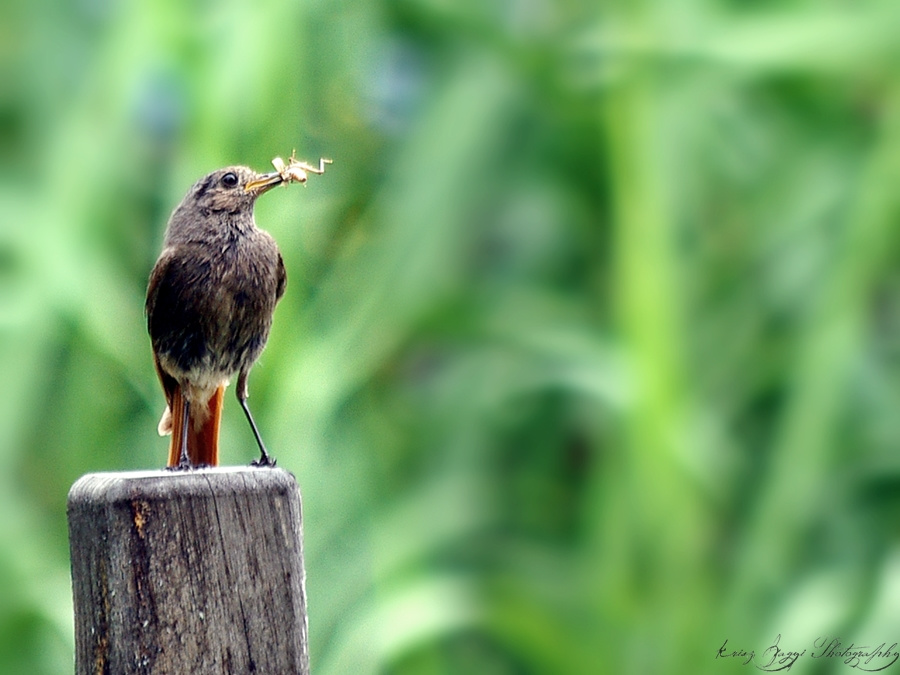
295,171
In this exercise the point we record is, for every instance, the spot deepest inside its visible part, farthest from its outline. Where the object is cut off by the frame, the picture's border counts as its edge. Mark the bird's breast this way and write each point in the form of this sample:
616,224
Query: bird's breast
220,308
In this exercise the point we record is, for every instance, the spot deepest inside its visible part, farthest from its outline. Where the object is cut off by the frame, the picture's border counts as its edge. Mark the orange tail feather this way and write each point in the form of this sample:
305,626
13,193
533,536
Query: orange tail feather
202,438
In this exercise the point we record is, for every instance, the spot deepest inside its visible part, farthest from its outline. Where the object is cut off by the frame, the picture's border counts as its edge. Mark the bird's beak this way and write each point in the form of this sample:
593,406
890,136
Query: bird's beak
263,182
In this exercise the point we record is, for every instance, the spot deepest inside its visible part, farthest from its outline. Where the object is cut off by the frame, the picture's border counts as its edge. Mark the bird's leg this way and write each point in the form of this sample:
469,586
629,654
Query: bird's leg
241,390
184,461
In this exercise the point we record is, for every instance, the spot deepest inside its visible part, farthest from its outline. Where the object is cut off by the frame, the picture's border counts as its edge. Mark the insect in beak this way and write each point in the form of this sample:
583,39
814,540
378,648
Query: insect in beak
296,171
292,171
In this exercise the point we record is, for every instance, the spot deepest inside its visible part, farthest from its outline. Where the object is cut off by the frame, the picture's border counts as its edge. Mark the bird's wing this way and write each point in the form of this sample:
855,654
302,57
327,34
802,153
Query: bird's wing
282,279
159,281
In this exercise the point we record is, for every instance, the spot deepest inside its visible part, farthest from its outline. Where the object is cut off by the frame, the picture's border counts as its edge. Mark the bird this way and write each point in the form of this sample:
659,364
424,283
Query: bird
210,301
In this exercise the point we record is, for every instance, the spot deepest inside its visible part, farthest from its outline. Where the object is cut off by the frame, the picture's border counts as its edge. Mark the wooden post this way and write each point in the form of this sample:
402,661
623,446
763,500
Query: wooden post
188,572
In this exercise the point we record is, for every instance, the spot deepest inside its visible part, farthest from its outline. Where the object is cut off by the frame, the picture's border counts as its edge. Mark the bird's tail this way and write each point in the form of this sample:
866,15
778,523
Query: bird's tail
203,431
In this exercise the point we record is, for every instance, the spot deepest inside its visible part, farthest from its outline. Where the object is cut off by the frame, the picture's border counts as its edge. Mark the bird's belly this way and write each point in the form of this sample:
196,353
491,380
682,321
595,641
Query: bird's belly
217,324
212,353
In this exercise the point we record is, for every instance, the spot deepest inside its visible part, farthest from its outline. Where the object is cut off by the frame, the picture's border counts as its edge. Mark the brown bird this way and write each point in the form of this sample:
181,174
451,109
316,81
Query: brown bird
209,308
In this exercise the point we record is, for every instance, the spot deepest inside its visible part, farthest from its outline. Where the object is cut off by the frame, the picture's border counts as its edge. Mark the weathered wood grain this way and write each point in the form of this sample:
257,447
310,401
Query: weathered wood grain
188,572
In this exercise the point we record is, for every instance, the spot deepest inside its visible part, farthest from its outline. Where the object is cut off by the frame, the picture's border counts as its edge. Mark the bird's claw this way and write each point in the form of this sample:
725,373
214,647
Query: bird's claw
264,461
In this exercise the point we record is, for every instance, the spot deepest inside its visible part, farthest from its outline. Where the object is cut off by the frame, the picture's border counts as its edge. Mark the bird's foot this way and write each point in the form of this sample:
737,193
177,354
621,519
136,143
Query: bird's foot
265,460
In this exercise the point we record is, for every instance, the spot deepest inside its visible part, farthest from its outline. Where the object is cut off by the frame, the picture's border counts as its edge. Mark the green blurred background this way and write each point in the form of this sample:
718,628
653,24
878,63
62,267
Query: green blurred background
589,354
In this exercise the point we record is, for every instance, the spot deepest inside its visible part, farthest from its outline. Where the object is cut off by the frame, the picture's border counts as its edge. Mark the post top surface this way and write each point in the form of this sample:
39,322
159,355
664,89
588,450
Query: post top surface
114,486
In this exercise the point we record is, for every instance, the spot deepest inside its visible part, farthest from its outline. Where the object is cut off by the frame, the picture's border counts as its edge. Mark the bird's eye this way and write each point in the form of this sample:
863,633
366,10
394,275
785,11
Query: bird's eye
229,180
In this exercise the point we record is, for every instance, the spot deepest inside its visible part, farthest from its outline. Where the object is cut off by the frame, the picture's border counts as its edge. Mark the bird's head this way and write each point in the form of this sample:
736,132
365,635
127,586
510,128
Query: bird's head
231,190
